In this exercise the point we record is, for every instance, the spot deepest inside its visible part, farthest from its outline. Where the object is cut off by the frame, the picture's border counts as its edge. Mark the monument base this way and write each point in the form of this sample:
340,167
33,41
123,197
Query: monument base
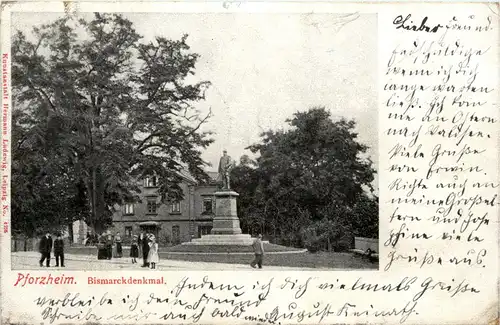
226,225
226,240
226,220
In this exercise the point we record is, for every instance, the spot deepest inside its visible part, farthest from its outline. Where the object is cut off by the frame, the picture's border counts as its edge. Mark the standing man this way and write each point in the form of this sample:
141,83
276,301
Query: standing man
258,249
45,249
59,250
145,250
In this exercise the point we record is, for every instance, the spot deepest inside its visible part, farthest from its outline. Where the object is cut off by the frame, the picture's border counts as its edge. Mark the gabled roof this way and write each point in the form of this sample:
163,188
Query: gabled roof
189,178
213,175
186,176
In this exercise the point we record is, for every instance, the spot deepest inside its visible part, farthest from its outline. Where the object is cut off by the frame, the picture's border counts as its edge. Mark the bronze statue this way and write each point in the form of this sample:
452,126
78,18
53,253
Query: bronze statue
225,167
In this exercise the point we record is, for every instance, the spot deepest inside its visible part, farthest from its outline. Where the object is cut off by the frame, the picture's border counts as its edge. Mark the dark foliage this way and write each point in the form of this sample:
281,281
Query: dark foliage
309,184
96,109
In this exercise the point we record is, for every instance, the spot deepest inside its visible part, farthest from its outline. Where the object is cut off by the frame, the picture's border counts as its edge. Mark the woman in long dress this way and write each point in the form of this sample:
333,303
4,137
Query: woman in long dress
109,246
102,251
153,257
118,242
134,249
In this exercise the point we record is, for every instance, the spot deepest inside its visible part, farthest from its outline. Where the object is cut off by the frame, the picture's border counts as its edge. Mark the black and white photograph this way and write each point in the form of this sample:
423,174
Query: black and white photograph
194,141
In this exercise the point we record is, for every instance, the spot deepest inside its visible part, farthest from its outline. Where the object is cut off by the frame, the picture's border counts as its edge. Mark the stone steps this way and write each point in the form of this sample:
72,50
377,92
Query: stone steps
240,240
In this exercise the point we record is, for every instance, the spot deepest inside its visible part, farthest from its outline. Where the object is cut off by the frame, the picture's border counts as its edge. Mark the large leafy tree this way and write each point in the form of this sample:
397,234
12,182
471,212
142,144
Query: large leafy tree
314,171
97,107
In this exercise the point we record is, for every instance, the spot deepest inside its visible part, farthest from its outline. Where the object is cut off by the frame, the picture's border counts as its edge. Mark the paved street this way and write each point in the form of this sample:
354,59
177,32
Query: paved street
29,261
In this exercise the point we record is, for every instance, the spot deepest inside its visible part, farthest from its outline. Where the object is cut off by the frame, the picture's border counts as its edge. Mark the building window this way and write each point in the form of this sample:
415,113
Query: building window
152,206
175,207
176,234
151,181
129,208
204,230
207,206
128,231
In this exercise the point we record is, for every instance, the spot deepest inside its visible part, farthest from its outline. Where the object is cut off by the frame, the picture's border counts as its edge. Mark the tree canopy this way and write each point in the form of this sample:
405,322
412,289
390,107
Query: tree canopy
312,173
96,107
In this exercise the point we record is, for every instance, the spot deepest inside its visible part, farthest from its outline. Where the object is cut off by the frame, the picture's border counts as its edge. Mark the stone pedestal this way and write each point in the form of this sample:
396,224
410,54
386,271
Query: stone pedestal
226,220
226,225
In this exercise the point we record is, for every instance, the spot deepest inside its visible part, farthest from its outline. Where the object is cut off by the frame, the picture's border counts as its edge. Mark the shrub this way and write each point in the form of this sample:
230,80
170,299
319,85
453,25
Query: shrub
343,244
314,244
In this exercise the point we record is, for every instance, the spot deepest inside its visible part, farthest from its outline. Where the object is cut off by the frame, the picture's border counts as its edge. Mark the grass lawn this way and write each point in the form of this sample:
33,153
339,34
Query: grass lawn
306,259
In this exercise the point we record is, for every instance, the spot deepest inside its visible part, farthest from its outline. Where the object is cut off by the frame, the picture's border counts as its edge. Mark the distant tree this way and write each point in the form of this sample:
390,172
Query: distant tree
365,216
105,109
244,180
245,160
311,172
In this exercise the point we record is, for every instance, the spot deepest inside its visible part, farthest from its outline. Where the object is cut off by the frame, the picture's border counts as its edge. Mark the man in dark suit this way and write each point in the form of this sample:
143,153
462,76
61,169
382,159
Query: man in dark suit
145,249
45,249
59,250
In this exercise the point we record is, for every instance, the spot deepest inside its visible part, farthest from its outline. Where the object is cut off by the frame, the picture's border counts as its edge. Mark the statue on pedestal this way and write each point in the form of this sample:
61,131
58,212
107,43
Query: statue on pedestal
225,167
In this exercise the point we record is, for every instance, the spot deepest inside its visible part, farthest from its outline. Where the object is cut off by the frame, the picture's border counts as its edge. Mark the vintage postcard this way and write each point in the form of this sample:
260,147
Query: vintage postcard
249,163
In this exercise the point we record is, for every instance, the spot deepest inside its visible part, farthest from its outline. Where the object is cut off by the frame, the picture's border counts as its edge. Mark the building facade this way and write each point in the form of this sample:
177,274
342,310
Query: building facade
172,223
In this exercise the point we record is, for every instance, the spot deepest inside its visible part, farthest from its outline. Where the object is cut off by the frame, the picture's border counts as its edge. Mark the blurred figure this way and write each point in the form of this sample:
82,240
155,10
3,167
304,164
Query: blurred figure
59,250
139,242
88,239
45,248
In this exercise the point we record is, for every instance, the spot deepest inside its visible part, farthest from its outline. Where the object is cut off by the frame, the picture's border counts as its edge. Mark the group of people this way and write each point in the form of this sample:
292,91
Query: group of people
145,244
105,246
45,247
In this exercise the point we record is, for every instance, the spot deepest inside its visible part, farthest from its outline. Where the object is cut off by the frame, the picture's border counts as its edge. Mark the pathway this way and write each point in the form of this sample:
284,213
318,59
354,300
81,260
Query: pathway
29,261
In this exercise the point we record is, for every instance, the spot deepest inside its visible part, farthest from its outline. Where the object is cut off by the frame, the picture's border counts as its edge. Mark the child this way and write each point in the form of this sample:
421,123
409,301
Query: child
134,249
153,257
59,250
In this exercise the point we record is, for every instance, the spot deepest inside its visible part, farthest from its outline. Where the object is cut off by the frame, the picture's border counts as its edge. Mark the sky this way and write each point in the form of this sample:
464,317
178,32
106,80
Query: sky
266,67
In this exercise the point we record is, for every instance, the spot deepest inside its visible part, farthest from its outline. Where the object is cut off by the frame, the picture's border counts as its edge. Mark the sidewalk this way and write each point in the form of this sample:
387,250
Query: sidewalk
29,261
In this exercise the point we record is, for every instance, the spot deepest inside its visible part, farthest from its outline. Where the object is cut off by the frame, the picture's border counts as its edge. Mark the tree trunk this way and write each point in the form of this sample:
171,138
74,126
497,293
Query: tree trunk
70,233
